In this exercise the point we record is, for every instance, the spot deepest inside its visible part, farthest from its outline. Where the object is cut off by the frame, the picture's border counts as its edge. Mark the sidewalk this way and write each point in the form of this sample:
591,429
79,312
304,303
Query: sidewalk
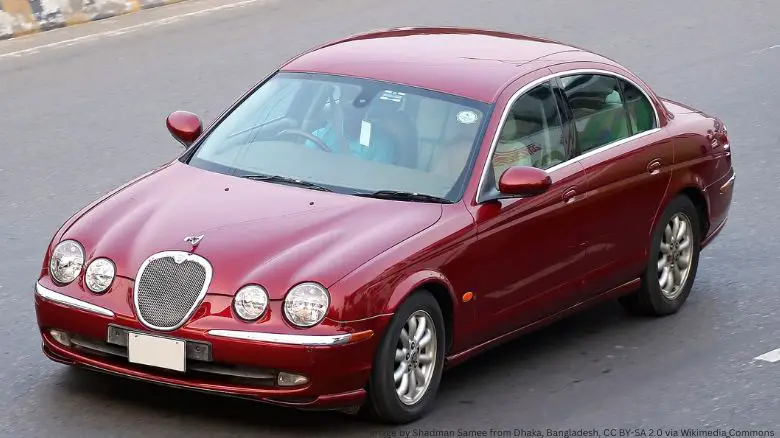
21,17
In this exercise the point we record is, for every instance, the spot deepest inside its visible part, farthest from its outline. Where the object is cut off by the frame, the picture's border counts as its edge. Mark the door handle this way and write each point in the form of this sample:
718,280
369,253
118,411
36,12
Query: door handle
568,196
654,167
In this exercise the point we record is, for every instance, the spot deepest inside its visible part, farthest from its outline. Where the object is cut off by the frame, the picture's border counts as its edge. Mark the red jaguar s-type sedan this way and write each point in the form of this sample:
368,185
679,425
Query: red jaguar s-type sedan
380,208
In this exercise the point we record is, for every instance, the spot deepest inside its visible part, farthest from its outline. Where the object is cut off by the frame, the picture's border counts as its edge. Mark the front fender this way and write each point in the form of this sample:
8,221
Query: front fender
383,297
438,261
418,280
357,300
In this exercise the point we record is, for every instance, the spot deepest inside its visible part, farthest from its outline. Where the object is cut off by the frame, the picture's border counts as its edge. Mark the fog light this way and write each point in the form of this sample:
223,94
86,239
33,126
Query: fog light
289,379
61,337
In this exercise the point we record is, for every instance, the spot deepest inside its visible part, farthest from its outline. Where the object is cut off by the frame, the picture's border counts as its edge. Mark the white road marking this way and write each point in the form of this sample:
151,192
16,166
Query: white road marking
128,29
772,356
765,49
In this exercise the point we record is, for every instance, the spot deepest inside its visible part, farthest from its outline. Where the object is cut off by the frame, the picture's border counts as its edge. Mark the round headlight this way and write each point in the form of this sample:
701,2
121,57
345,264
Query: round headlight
66,262
306,304
250,302
100,274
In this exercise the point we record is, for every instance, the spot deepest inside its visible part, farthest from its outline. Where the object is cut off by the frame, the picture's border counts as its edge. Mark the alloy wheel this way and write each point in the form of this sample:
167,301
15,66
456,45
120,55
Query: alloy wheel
415,358
675,256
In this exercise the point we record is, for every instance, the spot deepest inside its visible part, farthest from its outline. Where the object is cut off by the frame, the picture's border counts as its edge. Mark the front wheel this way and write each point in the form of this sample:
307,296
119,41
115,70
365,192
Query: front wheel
673,262
408,363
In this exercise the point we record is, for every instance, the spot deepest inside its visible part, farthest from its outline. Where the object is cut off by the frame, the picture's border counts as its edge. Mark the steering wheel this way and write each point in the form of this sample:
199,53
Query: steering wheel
321,144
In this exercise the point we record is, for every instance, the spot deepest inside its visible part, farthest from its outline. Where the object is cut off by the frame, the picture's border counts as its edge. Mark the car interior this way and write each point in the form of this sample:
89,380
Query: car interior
532,134
599,113
430,136
433,138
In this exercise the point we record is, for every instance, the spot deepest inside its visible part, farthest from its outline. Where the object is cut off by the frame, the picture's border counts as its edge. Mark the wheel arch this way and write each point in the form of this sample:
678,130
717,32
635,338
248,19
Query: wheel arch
439,287
688,182
699,200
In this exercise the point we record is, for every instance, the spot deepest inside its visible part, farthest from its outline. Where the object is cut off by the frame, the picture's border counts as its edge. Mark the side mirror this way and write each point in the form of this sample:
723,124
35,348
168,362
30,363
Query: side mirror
524,181
185,127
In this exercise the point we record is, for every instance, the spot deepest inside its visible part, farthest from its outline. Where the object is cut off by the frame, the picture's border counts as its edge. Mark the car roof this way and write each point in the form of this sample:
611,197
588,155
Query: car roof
472,63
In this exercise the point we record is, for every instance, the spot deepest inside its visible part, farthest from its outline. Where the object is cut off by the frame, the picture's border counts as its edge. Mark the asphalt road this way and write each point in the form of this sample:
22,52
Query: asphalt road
78,119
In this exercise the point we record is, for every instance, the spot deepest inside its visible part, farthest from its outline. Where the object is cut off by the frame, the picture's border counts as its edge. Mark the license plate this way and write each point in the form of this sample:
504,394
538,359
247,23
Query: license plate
157,351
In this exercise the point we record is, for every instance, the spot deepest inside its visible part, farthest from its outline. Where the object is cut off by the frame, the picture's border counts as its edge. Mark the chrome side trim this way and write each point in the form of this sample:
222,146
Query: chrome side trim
525,88
56,297
727,185
277,338
604,148
184,256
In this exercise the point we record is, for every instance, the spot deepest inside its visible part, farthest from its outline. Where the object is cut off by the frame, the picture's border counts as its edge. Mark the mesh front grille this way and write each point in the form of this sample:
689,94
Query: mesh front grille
167,290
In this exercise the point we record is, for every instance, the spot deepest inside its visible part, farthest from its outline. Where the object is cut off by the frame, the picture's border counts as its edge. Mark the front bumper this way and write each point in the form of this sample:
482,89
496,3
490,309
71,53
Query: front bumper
220,358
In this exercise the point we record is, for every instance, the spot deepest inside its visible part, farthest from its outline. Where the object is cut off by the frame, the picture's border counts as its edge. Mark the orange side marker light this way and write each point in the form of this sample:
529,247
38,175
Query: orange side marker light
361,336
468,296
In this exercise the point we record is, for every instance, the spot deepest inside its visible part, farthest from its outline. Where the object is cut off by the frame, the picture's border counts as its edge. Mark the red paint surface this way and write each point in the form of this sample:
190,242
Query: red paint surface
524,181
468,62
526,261
184,126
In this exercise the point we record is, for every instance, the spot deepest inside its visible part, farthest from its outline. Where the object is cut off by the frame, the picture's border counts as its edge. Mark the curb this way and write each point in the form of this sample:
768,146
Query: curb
23,17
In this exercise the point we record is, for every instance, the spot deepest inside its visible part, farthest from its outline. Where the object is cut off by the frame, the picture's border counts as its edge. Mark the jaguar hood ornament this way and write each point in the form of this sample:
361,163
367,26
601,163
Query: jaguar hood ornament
193,240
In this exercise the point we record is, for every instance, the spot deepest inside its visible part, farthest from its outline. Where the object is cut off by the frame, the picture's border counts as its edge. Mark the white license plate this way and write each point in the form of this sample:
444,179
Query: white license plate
156,351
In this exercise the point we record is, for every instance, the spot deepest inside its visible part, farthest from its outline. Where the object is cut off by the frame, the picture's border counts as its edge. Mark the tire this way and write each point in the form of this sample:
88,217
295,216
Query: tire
383,403
650,299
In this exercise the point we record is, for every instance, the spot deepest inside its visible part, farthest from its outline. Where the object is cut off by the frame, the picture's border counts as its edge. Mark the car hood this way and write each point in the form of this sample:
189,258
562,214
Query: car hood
253,231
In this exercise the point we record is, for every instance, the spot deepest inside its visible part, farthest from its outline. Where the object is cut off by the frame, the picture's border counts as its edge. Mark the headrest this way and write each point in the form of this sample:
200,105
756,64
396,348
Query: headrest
509,131
431,118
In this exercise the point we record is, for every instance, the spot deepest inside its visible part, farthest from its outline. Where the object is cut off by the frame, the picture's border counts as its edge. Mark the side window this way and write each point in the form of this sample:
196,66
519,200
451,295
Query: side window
640,110
598,110
532,134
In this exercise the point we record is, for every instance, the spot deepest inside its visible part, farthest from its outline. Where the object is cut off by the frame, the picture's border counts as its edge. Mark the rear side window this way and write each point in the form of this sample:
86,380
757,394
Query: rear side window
640,110
597,108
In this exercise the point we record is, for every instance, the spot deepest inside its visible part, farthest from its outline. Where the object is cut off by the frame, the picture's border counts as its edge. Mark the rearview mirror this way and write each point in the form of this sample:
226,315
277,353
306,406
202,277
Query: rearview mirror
185,127
524,181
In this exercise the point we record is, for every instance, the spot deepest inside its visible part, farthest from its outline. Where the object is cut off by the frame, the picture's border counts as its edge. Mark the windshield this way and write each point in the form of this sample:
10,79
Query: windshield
348,135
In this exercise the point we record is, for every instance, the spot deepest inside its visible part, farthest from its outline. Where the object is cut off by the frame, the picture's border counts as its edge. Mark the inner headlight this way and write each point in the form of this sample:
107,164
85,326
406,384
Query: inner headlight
66,262
306,304
100,274
250,302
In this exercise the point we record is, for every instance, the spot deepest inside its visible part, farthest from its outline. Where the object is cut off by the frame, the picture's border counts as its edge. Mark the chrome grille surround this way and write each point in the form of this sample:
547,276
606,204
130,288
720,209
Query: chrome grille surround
169,286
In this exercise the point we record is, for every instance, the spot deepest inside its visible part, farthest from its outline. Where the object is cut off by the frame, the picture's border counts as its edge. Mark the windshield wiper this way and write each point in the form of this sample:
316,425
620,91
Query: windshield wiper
285,180
404,196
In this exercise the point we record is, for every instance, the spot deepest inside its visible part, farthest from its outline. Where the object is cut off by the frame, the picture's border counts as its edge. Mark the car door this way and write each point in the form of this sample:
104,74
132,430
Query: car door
530,250
628,163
